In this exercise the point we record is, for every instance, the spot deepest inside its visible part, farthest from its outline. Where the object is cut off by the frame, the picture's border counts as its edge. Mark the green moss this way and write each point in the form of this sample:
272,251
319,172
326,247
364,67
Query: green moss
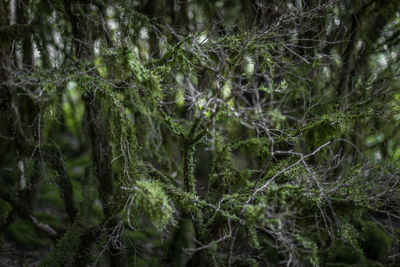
253,237
66,248
136,235
255,214
258,146
23,232
148,203
372,245
375,243
145,262
48,194
329,126
188,168
311,247
49,219
346,254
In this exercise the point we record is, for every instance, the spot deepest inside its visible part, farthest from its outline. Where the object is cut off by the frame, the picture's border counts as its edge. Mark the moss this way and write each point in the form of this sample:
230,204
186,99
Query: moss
48,193
311,247
145,262
23,232
149,202
253,237
188,168
66,248
257,145
342,253
182,238
136,235
375,243
327,127
49,219
186,201
249,262
255,213
226,176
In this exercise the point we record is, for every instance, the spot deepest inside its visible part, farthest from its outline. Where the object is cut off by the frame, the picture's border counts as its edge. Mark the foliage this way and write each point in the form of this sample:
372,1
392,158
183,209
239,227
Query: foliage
201,133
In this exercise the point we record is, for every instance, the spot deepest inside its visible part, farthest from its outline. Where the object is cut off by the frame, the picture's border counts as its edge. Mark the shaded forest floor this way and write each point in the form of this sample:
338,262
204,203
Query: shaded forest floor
12,254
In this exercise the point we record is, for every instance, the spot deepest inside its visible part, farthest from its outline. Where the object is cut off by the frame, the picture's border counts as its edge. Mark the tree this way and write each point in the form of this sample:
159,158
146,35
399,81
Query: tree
201,133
